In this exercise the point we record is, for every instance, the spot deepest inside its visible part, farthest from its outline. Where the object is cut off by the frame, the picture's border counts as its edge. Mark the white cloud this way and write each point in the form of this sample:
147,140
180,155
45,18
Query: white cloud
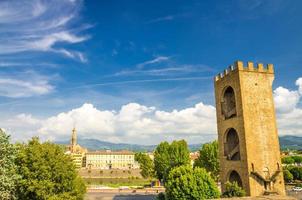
156,60
289,113
133,123
285,99
24,84
160,19
166,71
299,84
37,25
136,123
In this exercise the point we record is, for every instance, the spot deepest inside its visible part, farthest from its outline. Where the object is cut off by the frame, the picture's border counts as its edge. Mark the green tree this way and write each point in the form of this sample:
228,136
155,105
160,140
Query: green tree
209,159
8,175
179,153
146,165
186,183
233,190
296,172
287,160
161,160
297,159
168,156
47,173
288,177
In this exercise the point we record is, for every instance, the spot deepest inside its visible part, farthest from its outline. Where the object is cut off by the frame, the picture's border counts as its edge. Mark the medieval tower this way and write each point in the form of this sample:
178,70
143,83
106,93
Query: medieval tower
247,131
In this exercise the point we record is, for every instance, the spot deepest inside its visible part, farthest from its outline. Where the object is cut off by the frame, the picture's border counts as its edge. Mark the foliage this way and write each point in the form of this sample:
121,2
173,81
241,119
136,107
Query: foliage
209,159
161,196
297,159
161,160
47,173
186,183
168,156
299,185
8,176
233,190
288,160
288,177
179,153
296,172
146,165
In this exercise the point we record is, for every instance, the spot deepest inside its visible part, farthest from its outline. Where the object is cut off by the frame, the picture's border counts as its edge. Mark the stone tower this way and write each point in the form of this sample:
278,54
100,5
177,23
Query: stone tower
73,140
247,131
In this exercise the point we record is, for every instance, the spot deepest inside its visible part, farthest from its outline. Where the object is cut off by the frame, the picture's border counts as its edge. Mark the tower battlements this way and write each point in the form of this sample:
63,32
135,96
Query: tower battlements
250,67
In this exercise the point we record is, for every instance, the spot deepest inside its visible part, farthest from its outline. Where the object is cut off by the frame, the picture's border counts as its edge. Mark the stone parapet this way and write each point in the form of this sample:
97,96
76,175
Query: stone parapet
250,67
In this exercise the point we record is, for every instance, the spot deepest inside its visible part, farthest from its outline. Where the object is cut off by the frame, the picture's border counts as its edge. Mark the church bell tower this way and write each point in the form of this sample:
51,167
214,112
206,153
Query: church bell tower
249,148
73,140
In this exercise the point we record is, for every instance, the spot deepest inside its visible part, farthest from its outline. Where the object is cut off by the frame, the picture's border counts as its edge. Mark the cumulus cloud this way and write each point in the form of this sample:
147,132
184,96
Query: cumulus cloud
289,113
133,123
37,25
136,123
285,99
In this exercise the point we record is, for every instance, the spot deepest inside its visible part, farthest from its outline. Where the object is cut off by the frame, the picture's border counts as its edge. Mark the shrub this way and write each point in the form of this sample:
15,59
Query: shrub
161,196
186,183
233,190
297,159
288,160
296,172
288,177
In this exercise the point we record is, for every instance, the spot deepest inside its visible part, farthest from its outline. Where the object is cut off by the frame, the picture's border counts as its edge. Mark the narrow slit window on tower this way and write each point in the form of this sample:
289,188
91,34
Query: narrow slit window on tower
228,103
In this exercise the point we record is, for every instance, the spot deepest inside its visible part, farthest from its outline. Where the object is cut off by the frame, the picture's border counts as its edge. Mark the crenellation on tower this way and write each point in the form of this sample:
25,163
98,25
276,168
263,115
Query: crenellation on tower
250,66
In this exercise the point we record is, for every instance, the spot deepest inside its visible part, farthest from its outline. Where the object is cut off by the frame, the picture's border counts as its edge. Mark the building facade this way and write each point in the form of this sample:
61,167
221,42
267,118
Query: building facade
247,132
111,160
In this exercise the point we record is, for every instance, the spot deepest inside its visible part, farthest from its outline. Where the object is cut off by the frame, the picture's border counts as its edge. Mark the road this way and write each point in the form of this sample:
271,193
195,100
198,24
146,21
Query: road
112,196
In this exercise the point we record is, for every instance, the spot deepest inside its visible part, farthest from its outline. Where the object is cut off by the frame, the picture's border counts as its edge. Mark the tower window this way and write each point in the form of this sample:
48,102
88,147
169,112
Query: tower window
231,146
228,103
235,177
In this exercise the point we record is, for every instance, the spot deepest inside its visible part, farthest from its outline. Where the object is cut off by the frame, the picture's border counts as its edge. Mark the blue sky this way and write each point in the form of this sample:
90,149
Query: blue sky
151,57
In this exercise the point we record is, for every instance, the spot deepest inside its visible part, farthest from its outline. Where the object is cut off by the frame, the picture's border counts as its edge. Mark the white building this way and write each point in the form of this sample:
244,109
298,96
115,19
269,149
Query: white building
111,160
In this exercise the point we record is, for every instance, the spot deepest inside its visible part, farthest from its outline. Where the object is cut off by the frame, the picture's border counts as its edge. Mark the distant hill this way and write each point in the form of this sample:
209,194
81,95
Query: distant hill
94,144
290,142
286,142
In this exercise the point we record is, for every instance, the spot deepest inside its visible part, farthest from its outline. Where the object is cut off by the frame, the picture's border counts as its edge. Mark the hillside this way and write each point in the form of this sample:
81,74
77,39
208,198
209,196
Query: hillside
286,142
94,144
291,142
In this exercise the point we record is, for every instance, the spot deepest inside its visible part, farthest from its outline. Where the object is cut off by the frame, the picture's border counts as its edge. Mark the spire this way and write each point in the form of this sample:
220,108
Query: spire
74,137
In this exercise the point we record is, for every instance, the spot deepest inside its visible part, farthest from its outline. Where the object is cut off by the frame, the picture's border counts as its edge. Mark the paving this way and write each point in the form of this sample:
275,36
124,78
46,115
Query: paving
112,196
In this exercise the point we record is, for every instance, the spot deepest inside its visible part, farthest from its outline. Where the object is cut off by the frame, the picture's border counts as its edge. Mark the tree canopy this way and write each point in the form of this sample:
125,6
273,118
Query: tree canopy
8,175
186,183
209,159
47,173
168,156
146,165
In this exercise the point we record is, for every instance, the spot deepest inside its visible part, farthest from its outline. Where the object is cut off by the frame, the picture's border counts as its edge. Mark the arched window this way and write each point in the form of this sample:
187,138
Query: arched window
228,103
231,145
235,177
